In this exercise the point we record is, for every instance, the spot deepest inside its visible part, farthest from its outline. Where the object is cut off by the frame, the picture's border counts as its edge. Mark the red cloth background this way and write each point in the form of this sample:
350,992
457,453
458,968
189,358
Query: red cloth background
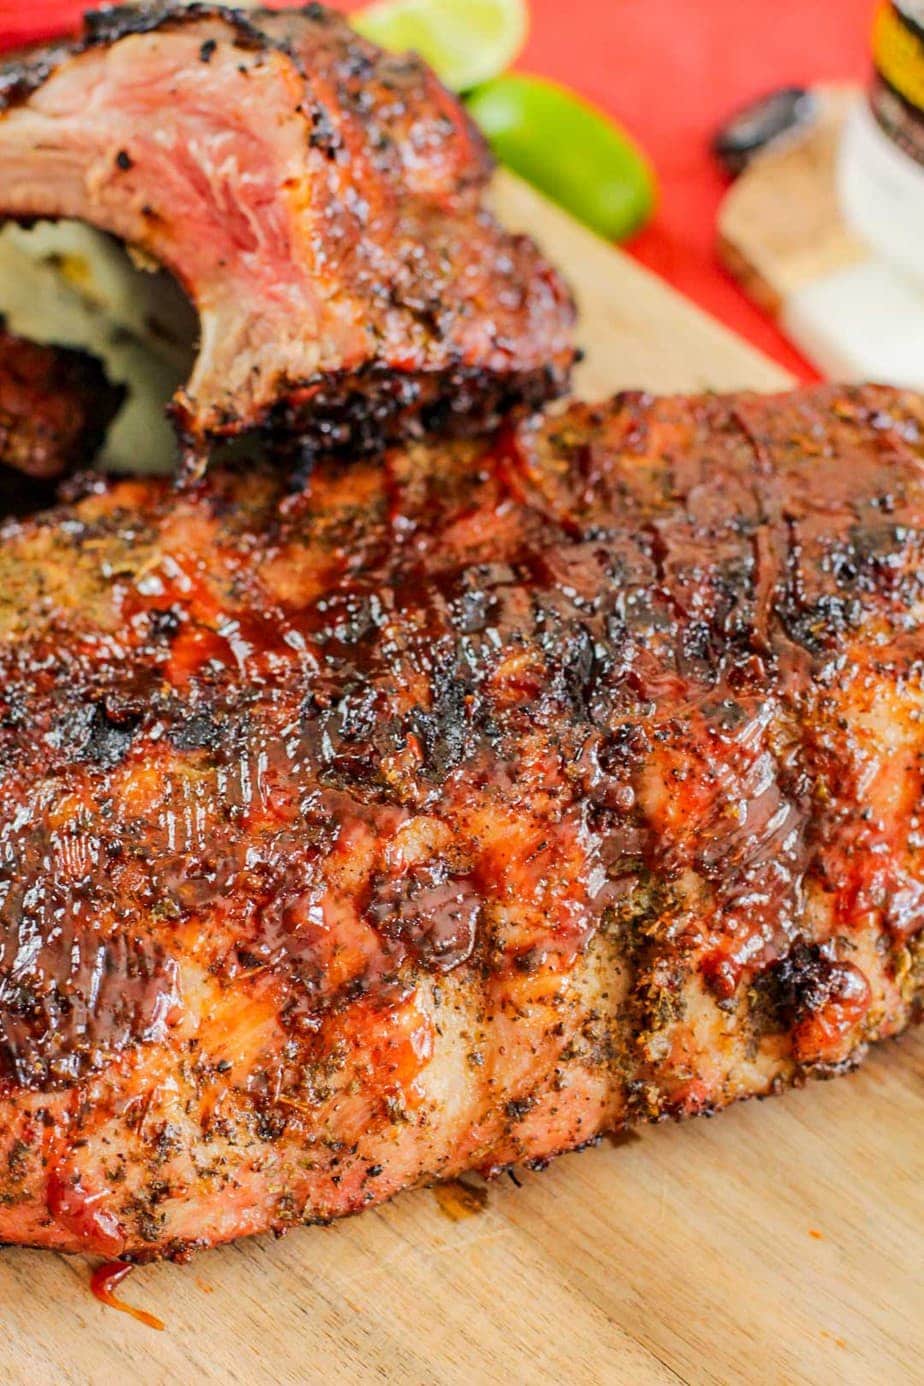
670,71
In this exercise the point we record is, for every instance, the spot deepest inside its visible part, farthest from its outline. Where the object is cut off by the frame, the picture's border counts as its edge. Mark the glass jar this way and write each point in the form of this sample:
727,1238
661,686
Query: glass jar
881,171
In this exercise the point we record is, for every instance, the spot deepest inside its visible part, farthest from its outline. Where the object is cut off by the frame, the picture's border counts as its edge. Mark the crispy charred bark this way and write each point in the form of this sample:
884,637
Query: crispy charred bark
55,407
321,203
454,811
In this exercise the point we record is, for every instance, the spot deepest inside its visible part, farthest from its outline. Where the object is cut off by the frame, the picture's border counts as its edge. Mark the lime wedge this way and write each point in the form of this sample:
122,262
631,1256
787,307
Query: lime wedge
569,150
466,42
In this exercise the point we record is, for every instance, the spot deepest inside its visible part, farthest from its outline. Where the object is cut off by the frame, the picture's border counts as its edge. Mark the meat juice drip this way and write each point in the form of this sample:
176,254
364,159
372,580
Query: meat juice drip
103,1283
458,1200
622,1138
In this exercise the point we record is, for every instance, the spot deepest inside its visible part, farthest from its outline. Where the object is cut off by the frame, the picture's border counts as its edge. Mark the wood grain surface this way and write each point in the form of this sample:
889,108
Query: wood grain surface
781,1243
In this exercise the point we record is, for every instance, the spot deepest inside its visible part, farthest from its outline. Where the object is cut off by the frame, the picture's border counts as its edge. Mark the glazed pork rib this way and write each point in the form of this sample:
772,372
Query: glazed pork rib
320,202
55,407
453,812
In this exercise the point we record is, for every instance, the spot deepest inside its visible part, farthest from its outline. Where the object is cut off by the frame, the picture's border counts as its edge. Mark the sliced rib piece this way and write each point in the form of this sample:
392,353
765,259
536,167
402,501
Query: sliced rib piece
55,407
454,812
320,202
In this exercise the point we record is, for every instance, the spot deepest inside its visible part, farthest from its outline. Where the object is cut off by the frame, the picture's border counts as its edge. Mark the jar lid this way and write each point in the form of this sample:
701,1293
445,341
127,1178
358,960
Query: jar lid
751,128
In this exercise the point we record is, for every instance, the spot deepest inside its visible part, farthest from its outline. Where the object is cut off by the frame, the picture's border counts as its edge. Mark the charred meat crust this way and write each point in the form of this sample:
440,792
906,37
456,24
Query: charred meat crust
55,407
364,412
453,811
320,201
24,75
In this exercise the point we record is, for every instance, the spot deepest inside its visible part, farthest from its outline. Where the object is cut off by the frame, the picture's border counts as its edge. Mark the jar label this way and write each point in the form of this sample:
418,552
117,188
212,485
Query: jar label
897,96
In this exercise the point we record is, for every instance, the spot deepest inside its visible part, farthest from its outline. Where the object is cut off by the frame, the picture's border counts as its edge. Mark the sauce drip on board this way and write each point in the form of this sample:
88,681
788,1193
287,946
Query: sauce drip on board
103,1283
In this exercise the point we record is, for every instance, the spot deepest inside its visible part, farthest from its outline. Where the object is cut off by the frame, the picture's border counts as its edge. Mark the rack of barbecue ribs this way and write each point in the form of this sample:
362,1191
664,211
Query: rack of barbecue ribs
468,804
321,203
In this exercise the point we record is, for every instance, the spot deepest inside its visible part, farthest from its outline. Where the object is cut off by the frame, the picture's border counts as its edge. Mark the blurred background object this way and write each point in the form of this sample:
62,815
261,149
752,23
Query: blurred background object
882,159
780,116
467,41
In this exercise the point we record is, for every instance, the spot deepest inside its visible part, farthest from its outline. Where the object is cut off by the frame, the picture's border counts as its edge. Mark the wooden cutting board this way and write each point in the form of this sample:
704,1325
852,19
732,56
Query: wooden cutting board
782,1243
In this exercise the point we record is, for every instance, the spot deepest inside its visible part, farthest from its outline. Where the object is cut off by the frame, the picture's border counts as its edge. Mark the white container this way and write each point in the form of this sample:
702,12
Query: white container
881,172
882,192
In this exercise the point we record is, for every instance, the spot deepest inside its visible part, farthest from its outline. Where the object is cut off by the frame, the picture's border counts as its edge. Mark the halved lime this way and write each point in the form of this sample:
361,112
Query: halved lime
466,42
